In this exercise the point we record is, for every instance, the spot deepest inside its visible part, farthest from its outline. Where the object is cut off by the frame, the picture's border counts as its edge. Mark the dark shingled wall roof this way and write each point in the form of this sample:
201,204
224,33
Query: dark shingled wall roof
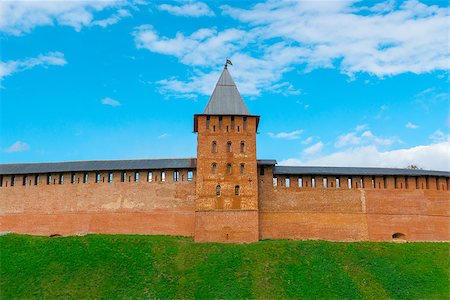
191,163
305,170
102,165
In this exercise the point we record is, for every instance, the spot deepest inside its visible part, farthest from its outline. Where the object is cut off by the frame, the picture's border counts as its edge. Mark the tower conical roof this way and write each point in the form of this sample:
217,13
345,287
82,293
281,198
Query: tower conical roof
226,100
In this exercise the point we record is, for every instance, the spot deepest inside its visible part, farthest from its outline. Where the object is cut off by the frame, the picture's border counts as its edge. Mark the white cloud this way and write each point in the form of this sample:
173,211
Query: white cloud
438,136
110,101
366,138
360,127
18,17
411,125
314,149
198,49
293,135
308,140
121,13
383,40
7,68
347,139
18,146
163,136
435,156
193,9
410,37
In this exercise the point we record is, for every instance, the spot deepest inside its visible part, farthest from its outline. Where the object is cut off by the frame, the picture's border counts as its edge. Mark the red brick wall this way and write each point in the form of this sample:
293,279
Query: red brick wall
330,213
354,214
118,207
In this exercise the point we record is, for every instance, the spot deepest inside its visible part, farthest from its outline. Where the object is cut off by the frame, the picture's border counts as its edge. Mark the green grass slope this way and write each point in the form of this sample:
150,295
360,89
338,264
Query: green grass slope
133,266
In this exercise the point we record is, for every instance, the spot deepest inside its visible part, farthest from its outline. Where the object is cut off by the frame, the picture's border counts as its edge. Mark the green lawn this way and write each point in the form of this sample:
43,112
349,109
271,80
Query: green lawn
133,266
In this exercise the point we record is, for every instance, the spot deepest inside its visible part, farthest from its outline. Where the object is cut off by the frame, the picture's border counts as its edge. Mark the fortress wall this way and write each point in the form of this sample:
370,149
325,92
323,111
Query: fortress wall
140,207
371,213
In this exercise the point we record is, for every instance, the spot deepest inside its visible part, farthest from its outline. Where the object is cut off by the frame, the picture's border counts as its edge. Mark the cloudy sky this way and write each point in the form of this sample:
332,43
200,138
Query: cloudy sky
347,83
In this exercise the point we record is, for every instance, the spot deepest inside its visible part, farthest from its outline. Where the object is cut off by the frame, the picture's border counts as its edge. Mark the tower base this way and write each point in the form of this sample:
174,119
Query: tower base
227,226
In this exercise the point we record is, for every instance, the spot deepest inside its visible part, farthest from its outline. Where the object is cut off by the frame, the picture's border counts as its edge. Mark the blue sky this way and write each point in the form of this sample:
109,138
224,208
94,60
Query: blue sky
335,83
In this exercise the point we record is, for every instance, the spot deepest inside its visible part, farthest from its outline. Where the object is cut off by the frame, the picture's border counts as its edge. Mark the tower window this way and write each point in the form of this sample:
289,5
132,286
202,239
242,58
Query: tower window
232,122
163,176
110,176
361,181
72,178
207,122
288,182
395,182
49,178
245,123
24,180
349,182
36,180
176,175
214,168
97,177
1,180
313,182
229,168
237,190
238,128
214,127
214,147
300,182
241,169
338,182
85,177
136,176
13,180
61,178
218,190
220,122
261,171
190,175
124,177
325,182
417,182
229,147
242,147
275,181
227,128
373,182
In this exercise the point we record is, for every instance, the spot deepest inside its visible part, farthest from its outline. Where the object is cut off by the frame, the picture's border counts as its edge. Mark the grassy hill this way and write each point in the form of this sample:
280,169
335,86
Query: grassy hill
133,266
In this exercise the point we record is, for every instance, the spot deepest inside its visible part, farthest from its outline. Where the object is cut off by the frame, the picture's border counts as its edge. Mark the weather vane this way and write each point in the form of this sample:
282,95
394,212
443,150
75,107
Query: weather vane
228,62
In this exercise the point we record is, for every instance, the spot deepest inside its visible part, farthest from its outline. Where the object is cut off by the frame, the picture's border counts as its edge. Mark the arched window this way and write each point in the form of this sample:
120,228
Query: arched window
237,190
241,169
229,147
229,168
242,147
214,147
213,168
218,190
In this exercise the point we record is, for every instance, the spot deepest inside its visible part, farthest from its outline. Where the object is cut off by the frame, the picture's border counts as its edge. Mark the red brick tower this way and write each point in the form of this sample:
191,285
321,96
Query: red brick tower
226,186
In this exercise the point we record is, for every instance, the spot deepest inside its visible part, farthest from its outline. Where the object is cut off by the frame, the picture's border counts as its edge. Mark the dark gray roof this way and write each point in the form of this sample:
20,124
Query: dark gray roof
102,165
304,170
267,162
226,100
